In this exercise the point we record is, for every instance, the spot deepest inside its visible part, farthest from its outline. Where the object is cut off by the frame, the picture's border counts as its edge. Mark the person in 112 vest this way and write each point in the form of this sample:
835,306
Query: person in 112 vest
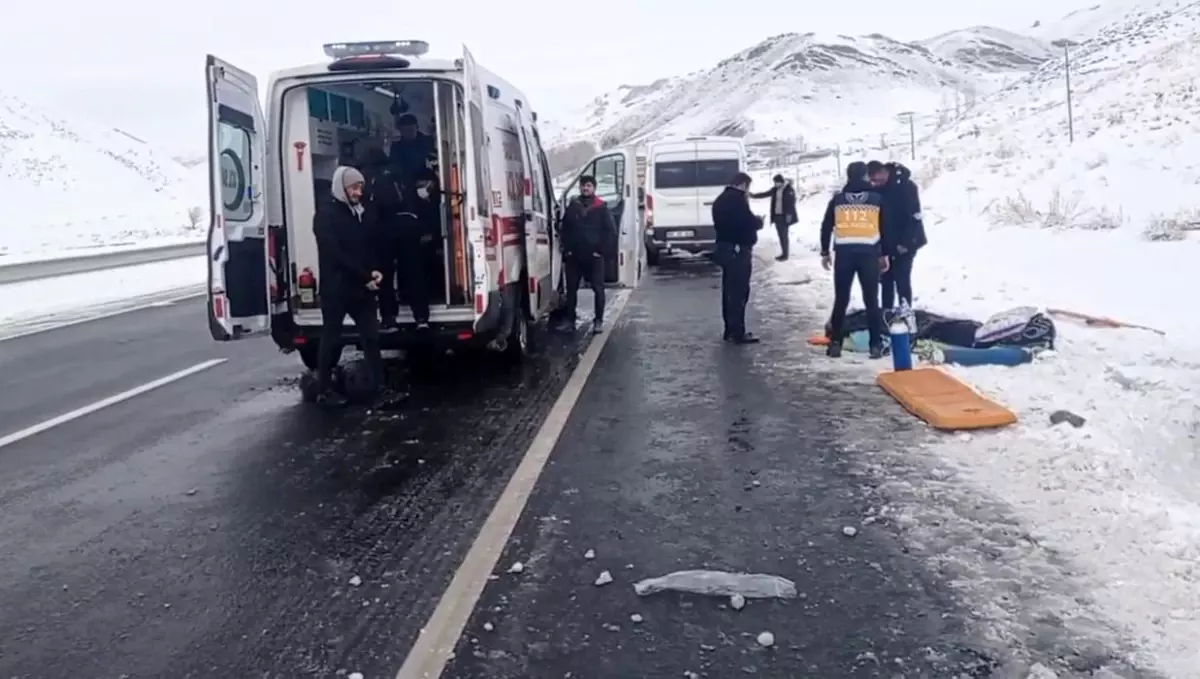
856,221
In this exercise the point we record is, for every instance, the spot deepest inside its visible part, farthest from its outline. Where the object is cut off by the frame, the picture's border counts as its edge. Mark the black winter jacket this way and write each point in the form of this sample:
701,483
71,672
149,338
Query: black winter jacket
588,227
735,224
344,248
905,225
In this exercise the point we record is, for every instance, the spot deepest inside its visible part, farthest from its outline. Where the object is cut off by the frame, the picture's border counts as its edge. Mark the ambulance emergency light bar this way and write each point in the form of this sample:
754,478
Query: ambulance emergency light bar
346,50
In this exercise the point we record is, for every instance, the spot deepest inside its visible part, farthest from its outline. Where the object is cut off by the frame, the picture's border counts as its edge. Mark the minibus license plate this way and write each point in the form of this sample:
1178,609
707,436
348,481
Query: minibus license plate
680,234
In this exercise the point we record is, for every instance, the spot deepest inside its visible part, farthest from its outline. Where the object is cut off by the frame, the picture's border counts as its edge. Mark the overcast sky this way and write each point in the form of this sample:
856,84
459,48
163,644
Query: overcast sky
137,63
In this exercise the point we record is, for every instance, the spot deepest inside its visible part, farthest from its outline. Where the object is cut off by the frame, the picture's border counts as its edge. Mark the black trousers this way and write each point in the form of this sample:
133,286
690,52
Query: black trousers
576,268
897,282
404,270
781,228
360,306
864,266
736,267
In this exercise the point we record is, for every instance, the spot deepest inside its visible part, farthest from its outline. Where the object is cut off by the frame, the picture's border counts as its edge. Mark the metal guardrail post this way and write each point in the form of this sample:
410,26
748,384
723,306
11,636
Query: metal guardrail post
21,272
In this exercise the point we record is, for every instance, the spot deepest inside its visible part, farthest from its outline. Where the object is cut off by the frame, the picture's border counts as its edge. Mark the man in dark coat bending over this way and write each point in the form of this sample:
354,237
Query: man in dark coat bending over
737,232
894,182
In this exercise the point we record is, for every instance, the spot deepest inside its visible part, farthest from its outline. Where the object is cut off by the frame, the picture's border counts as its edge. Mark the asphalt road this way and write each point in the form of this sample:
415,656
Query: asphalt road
217,527
211,528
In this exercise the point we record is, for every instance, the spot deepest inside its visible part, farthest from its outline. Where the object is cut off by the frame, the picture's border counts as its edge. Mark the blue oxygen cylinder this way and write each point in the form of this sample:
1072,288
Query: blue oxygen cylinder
901,335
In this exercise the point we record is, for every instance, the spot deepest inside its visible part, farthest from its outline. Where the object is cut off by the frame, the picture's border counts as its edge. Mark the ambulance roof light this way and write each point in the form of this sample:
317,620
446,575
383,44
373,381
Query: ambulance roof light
408,48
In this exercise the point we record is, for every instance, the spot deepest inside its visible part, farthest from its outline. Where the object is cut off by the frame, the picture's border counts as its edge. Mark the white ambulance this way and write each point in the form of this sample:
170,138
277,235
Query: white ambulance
501,267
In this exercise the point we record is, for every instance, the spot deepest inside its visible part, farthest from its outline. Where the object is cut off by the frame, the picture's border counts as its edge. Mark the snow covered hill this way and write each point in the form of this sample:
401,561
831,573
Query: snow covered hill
1017,214
69,186
808,90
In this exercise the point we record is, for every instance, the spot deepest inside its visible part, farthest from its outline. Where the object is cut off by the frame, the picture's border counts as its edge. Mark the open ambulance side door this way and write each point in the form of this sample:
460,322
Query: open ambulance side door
616,178
538,261
477,186
238,266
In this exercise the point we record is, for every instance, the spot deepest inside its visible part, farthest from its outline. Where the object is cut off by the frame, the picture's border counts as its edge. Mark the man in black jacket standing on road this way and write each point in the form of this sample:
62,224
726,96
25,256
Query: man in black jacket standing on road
907,230
587,232
856,220
783,211
348,280
737,232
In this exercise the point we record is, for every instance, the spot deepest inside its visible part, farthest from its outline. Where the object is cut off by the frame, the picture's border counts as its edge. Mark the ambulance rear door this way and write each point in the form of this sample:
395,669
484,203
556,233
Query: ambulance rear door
238,262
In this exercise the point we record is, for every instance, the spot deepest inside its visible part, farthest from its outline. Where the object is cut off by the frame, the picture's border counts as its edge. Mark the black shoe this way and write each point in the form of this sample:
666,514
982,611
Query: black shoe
834,350
781,258
331,399
388,323
727,337
746,338
876,351
597,326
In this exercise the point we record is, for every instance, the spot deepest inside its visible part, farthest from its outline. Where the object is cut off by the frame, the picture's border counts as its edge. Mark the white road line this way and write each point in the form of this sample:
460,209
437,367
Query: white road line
107,314
106,402
428,657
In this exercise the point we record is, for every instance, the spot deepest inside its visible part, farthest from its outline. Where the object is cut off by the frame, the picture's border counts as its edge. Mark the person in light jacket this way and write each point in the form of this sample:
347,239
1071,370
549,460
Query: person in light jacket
783,211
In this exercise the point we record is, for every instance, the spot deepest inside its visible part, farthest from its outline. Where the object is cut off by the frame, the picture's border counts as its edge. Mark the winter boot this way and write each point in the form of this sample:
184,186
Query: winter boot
834,350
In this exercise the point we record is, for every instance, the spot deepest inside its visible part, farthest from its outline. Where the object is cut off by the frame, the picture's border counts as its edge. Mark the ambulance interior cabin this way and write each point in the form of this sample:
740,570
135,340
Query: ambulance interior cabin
348,124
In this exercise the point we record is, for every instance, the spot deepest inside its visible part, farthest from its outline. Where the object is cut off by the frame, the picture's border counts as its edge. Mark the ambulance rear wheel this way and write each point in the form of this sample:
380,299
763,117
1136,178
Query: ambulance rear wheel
308,355
308,387
520,342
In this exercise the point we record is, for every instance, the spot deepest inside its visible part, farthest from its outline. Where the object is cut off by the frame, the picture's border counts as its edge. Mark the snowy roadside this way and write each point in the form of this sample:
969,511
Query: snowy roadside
1108,511
36,255
38,304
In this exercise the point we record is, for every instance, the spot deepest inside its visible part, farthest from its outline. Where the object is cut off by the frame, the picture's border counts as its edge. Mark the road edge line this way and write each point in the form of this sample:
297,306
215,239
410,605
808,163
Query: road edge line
435,644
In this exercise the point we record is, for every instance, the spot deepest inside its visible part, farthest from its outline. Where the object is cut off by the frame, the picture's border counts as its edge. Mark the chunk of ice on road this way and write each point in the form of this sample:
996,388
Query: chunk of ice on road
720,583
737,602
517,567
849,531
355,581
636,617
590,554
604,579
355,675
766,639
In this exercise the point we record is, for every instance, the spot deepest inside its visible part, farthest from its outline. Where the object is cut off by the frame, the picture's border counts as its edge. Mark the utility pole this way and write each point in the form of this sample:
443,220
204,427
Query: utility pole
837,154
1067,45
912,134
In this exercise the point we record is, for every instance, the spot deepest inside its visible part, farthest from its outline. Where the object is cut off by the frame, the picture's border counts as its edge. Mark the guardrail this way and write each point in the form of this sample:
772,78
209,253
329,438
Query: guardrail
49,268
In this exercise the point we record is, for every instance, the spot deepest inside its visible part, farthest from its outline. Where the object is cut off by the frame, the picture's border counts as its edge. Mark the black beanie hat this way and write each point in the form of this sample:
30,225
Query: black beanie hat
856,171
778,179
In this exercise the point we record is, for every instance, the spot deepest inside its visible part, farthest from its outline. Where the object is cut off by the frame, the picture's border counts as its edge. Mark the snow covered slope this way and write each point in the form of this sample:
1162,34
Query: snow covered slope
1018,215
807,89
69,186
1132,166
991,50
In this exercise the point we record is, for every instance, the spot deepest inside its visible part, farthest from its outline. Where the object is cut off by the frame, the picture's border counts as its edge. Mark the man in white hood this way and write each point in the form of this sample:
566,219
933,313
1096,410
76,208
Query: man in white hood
349,279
